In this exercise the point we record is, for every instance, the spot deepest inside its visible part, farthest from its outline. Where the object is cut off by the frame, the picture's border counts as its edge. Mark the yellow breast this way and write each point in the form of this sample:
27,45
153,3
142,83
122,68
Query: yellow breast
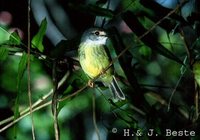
94,61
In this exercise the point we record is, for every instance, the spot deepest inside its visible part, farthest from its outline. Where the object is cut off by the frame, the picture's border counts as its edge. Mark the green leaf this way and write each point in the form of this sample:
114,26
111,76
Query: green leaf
149,40
3,53
4,34
9,38
118,104
38,38
136,7
100,11
68,90
196,71
16,109
21,69
14,39
92,9
153,98
66,48
145,51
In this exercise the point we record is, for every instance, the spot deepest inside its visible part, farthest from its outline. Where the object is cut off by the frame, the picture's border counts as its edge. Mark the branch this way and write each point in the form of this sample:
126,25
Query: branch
35,106
28,70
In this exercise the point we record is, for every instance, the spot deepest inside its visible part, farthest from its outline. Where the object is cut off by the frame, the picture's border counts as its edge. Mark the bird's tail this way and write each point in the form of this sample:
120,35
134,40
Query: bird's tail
116,90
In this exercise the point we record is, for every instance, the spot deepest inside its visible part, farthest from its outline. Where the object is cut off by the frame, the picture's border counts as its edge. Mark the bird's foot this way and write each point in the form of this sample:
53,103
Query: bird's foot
91,83
102,72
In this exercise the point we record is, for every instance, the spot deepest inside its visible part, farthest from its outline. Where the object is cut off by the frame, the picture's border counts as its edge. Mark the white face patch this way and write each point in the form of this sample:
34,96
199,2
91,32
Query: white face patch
99,41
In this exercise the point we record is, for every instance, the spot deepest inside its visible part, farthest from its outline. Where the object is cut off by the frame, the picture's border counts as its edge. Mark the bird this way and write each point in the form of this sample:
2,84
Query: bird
94,59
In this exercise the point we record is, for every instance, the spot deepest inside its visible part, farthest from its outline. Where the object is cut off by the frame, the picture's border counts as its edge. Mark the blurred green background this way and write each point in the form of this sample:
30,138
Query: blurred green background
159,73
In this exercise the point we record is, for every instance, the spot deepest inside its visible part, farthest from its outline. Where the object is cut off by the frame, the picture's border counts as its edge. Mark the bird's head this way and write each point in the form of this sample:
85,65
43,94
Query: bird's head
97,36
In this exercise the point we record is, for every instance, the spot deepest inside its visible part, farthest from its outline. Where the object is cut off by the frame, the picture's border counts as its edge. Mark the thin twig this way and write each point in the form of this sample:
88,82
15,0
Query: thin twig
174,90
152,28
38,101
24,115
54,105
196,99
28,70
40,107
78,91
94,117
140,37
73,94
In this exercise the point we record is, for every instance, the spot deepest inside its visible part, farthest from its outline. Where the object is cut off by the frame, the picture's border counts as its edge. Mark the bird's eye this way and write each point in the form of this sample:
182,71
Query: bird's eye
96,33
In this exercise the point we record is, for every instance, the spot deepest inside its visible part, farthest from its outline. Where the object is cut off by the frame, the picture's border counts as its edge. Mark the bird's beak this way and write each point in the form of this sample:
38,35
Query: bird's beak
103,33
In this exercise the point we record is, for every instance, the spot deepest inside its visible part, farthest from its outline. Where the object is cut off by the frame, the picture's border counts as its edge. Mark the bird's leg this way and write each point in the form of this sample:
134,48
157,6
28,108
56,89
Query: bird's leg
102,72
90,83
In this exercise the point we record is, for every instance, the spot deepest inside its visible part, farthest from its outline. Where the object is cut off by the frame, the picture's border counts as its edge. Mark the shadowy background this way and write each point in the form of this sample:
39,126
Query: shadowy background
148,72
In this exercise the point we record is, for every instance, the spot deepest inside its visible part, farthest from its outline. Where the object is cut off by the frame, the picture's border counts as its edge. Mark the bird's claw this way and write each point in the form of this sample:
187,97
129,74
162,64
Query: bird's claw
91,83
102,72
